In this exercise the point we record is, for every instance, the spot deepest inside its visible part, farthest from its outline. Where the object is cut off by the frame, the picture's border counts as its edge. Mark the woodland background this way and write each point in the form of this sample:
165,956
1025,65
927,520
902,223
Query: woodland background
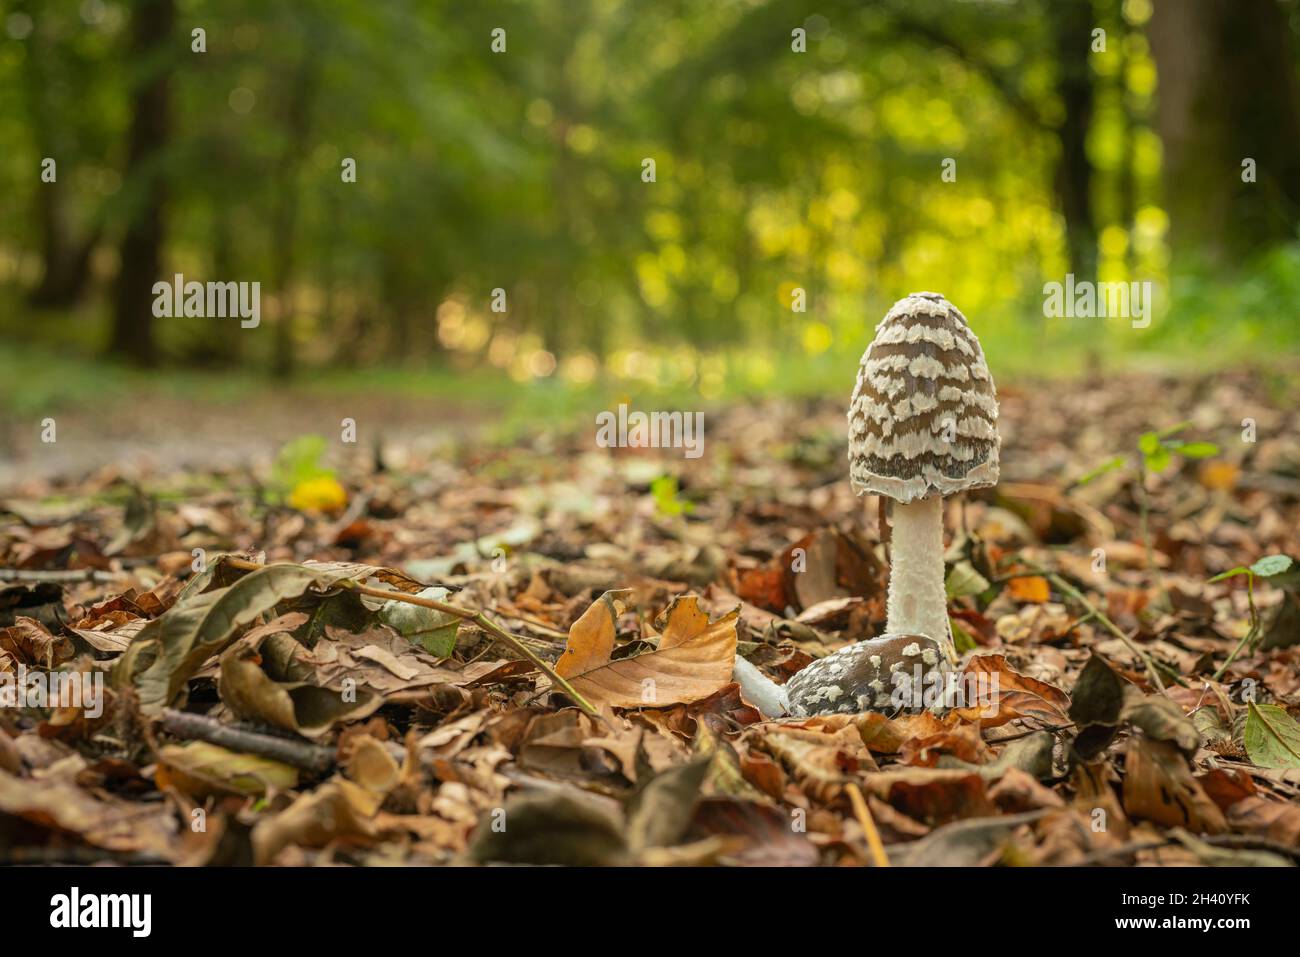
521,171
202,530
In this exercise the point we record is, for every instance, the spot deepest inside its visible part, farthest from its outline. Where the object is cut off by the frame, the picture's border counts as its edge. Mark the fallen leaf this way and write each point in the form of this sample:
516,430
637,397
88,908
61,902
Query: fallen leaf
1272,737
694,659
1158,786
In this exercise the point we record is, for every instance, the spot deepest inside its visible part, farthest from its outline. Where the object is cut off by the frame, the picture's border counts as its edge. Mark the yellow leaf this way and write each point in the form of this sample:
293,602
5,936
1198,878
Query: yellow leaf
322,494
1218,475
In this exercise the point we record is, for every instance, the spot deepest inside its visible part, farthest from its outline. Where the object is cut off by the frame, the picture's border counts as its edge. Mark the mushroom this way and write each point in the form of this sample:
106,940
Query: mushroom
922,425
886,674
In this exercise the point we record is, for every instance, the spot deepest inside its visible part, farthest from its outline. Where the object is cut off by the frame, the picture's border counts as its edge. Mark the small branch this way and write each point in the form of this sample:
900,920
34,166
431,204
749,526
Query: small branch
65,576
863,814
465,614
299,754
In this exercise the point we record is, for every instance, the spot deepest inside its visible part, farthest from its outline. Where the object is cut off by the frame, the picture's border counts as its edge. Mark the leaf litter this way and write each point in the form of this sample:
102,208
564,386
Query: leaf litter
523,653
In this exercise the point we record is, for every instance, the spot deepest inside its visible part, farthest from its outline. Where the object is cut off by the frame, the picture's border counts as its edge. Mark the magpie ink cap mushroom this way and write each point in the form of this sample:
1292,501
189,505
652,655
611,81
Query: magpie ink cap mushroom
884,674
922,425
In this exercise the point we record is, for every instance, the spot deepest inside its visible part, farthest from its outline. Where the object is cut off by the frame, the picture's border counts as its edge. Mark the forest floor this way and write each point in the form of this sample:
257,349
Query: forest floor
296,714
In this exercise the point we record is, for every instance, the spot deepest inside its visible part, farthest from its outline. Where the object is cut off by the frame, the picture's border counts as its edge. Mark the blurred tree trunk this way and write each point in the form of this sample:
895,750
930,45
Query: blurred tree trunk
65,261
132,335
1227,92
284,225
1072,24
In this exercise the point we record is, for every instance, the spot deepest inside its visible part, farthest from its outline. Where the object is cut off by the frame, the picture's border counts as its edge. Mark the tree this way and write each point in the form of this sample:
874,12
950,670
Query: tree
1228,93
132,335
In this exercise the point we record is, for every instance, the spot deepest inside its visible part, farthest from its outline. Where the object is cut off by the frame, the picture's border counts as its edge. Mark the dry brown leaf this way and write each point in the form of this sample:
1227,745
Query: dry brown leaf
1276,820
1013,695
694,659
591,639
1158,786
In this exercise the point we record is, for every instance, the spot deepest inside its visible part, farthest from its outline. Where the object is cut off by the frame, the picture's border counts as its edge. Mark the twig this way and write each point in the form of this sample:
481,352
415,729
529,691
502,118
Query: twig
59,575
465,614
1113,628
299,754
863,814
78,855
536,623
1051,729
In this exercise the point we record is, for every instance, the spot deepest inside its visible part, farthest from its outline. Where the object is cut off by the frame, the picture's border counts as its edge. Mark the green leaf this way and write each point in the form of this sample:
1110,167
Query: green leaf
1158,460
1149,443
1271,565
962,639
1109,465
667,501
434,630
1231,573
964,580
1197,450
1272,737
297,462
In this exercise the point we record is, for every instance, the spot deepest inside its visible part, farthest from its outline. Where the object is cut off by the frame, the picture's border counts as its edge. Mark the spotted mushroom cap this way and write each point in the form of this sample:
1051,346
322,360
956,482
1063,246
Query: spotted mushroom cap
923,418
865,676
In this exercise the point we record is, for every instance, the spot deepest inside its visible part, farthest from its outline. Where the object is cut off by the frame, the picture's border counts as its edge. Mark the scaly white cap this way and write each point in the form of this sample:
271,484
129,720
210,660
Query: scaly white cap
923,418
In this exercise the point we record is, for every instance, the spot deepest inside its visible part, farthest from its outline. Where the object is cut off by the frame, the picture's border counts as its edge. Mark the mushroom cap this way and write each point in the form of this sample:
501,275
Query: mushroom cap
923,417
863,677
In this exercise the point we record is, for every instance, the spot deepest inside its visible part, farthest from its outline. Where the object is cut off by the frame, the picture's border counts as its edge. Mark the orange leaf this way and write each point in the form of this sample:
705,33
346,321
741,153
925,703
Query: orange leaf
1218,475
1033,588
591,639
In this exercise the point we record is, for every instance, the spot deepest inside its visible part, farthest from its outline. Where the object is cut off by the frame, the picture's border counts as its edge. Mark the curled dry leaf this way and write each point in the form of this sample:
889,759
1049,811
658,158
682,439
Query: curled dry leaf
1011,695
694,659
169,649
310,709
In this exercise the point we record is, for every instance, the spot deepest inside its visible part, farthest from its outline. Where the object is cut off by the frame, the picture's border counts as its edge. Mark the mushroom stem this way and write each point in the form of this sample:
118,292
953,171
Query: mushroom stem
918,604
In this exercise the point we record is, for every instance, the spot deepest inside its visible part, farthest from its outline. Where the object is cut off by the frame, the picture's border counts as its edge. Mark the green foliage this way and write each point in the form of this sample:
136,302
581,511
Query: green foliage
776,171
1266,567
1271,736
1154,453
1270,566
298,462
664,491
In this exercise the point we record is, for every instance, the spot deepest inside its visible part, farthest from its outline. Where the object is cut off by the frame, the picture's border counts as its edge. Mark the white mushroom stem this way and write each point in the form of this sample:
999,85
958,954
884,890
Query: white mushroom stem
918,604
761,691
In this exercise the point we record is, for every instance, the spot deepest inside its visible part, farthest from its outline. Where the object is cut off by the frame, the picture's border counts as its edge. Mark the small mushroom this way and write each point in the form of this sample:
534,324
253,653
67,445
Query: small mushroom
885,674
922,425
